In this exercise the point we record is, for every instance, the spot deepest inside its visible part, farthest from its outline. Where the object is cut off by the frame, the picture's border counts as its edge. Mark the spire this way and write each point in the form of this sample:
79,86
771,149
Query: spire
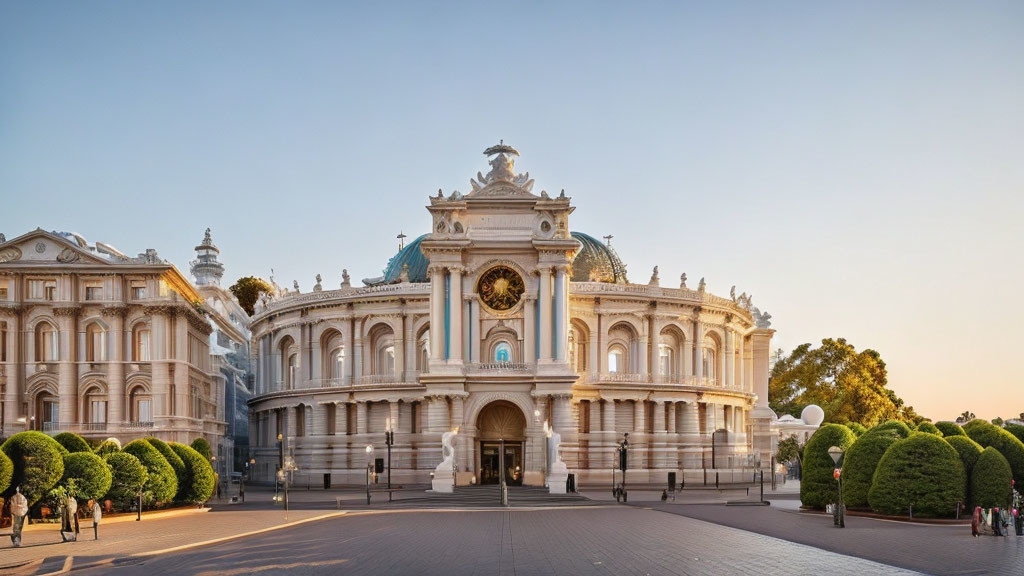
206,269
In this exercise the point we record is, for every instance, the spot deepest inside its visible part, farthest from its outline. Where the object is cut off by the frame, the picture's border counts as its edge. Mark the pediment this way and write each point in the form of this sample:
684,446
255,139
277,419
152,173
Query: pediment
41,247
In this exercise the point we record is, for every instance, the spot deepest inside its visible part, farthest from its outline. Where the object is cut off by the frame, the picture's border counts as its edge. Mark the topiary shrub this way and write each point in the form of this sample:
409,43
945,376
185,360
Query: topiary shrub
929,428
6,472
38,463
991,480
922,471
200,478
900,427
860,462
128,476
203,447
1009,446
857,428
950,429
1015,429
174,460
969,450
162,484
72,442
817,485
90,473
106,448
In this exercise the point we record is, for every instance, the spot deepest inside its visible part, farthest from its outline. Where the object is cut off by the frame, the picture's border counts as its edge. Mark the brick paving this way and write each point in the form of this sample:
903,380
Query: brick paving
620,540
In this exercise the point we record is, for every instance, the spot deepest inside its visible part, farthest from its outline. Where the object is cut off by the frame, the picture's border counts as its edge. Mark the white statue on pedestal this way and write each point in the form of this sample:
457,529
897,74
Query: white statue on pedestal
558,472
444,474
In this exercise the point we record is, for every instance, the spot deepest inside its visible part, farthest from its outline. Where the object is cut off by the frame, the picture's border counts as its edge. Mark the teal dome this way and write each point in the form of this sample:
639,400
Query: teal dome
594,261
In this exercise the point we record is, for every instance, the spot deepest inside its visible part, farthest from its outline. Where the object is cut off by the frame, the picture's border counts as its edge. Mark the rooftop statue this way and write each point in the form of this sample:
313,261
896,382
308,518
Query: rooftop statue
346,281
703,286
503,166
295,284
732,293
682,280
207,240
318,287
654,277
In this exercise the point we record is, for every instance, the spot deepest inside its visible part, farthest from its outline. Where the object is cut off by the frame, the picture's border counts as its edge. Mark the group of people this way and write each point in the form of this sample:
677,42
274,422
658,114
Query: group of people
69,528
999,522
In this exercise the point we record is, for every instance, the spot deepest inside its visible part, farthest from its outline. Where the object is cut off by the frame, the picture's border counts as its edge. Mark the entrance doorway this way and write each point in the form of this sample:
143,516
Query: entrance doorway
491,462
501,429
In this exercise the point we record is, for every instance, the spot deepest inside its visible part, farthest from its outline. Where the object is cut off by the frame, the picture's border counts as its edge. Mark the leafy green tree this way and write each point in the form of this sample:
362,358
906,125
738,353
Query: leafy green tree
1009,446
950,429
921,471
200,479
89,472
248,289
173,459
38,463
162,482
128,475
860,462
849,385
789,450
991,480
965,417
72,442
817,485
203,447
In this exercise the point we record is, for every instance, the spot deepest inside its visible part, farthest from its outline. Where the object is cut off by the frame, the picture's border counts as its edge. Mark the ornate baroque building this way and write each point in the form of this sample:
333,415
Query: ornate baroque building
102,344
496,322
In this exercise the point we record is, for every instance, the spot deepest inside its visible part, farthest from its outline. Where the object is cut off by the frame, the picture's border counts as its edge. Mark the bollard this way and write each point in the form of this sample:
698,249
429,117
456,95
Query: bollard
716,478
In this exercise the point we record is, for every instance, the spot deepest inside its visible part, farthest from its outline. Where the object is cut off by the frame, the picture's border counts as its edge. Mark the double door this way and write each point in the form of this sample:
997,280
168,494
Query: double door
495,456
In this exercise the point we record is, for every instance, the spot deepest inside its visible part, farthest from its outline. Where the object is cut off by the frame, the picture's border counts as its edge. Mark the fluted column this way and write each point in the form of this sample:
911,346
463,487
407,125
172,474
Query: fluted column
691,420
608,421
181,366
561,419
347,341
730,366
341,418
362,414
545,315
456,337
639,417
594,416
659,417
12,371
410,348
559,303
67,389
158,363
437,296
698,350
115,366
671,424
529,333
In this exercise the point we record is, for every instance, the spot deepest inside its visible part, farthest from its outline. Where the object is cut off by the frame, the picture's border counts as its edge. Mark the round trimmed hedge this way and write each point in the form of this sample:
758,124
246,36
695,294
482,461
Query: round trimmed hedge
929,428
922,471
199,478
6,472
90,472
72,442
162,483
174,460
1015,429
991,480
38,463
950,429
106,448
969,450
988,434
128,476
900,427
203,447
860,462
857,428
817,485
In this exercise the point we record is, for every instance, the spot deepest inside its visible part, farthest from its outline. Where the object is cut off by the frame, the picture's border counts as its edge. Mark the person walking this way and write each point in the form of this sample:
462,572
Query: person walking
97,515
69,520
19,509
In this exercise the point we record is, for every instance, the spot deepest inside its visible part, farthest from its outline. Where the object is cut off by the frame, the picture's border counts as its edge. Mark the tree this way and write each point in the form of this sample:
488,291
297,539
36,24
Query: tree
849,385
922,471
789,450
991,481
107,447
929,428
38,463
129,476
72,442
860,462
950,429
90,474
998,421
965,416
6,471
199,477
969,450
162,483
174,460
817,485
1015,429
248,289
1012,449
203,447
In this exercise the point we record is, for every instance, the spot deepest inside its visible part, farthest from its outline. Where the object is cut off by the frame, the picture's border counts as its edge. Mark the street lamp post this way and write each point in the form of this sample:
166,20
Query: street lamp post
389,440
241,489
624,462
839,516
369,466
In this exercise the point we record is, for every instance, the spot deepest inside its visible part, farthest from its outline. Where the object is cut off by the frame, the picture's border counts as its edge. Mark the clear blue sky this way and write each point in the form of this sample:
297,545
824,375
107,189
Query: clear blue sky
858,167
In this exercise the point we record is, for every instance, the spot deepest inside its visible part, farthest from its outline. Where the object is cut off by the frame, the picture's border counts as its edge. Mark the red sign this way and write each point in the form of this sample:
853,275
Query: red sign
836,473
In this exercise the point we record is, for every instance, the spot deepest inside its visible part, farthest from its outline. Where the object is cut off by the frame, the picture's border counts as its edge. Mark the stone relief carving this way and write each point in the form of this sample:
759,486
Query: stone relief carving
69,256
10,254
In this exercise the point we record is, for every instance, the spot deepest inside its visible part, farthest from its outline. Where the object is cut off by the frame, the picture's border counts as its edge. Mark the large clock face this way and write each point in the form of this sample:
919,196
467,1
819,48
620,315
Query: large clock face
500,288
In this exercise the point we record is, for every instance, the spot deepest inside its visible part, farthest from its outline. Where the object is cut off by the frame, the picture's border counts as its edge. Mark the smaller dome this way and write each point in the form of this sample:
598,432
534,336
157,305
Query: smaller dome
596,262
812,415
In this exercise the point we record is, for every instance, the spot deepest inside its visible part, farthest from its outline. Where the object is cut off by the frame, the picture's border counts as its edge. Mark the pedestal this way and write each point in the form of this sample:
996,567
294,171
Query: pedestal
557,478
444,480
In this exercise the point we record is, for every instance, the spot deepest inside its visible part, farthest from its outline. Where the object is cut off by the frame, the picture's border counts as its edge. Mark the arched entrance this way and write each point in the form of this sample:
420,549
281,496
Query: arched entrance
501,432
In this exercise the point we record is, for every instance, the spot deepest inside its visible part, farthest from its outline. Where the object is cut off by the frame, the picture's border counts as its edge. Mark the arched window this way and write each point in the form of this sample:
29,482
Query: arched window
96,406
140,344
709,364
386,360
291,374
617,359
664,359
503,353
382,345
140,405
46,343
95,343
336,364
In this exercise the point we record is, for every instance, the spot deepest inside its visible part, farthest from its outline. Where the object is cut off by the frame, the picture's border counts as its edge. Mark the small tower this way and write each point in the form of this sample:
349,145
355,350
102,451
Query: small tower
205,268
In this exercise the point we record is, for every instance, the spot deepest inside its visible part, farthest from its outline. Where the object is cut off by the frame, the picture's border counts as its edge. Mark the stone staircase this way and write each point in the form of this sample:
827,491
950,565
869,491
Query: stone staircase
490,497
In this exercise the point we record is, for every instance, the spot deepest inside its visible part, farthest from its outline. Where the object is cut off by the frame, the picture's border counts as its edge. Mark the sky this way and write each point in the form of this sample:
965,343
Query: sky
858,167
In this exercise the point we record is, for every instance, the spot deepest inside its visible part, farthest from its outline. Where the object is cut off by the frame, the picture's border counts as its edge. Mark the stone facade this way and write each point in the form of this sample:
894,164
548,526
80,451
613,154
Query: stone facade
497,322
104,345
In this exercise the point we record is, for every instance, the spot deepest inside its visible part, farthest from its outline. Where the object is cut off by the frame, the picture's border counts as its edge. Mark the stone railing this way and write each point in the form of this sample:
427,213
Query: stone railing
293,298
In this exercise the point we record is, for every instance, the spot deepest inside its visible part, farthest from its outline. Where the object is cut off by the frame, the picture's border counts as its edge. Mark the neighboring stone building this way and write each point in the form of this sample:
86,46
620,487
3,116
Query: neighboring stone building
102,344
496,322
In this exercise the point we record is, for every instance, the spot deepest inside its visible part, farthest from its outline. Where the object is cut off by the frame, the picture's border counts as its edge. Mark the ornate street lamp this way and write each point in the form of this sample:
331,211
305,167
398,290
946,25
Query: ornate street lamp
389,440
369,466
839,515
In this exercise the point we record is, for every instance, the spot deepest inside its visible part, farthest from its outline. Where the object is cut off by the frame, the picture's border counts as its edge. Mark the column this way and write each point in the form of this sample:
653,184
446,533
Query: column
181,383
475,330
303,373
456,338
657,453
595,416
410,348
608,420
346,339
316,365
393,414
730,365
529,335
644,352
400,351
341,418
687,356
67,388
545,315
437,414
561,418
158,363
659,417
561,334
698,350
671,424
12,370
691,422
740,372
639,417
361,418
436,312
115,366
592,353
462,443
761,341
358,369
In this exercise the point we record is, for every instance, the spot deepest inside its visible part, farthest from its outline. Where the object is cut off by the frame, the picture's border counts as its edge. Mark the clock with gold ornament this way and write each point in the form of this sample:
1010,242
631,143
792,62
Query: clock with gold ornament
500,288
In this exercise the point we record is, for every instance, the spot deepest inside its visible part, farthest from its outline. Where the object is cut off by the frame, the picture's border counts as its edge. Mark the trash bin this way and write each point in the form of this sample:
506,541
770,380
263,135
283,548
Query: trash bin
327,481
